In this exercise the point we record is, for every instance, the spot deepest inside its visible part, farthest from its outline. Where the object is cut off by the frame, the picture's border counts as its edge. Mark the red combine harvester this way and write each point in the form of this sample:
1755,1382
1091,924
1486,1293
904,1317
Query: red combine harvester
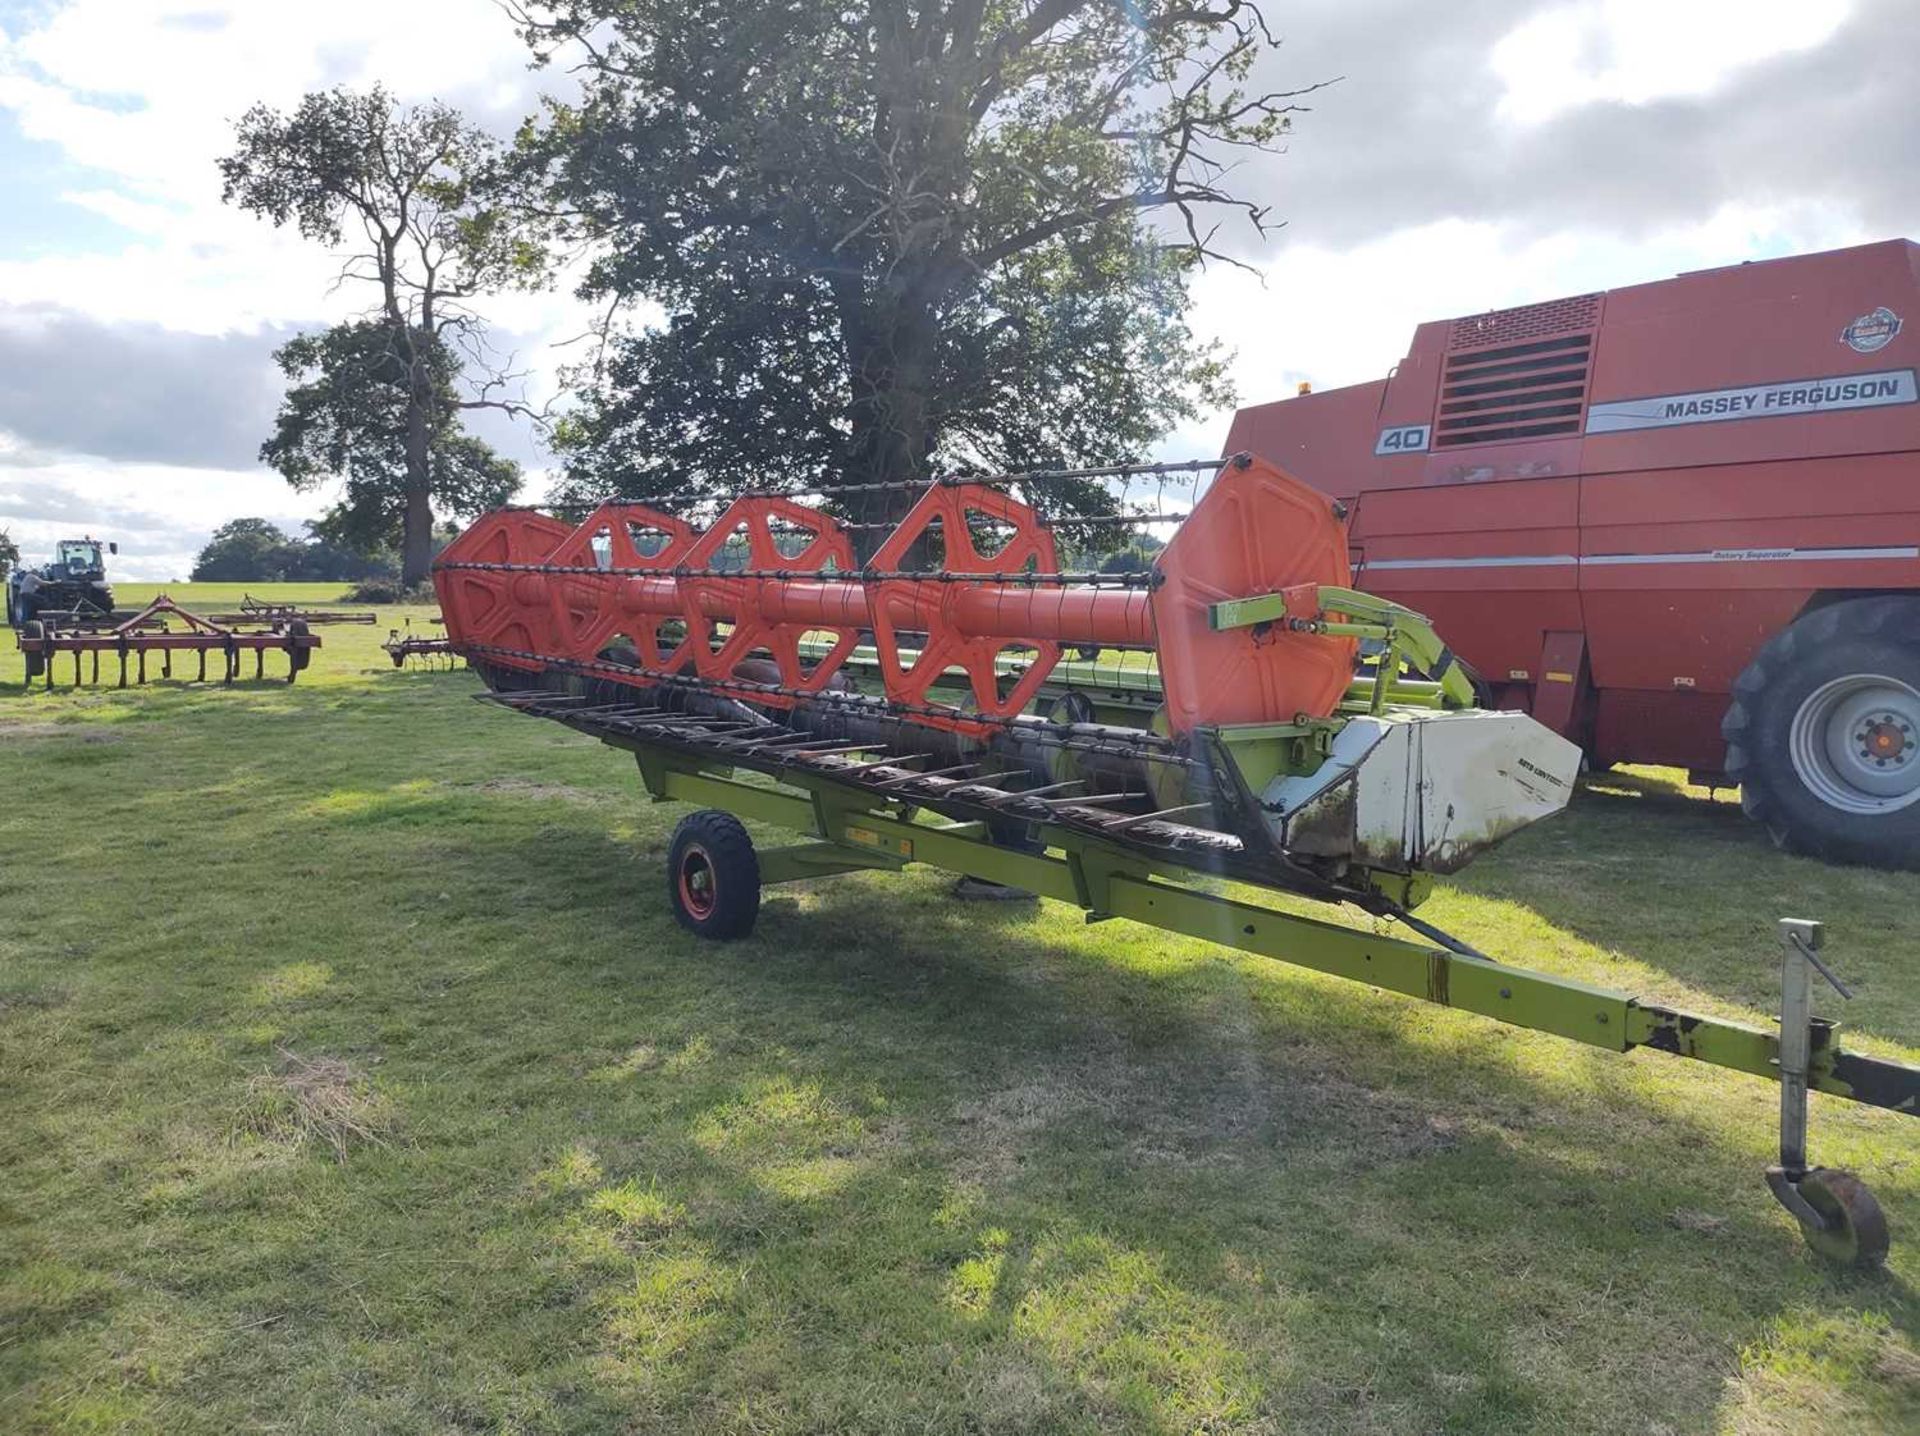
1678,523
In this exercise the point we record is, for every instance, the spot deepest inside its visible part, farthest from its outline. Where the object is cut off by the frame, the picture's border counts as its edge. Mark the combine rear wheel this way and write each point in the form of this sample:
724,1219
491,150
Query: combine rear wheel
1824,733
713,876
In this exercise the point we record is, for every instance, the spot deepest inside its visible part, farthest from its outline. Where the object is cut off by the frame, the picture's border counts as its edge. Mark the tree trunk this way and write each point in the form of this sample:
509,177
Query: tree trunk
416,526
892,440
416,530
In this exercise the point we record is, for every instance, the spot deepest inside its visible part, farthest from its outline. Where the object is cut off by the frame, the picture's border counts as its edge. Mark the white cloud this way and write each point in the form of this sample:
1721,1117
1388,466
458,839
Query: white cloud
124,88
159,515
1637,51
1332,317
138,98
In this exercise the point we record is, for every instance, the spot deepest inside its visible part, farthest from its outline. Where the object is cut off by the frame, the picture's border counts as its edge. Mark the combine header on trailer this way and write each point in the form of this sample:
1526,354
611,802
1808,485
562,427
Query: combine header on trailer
1248,714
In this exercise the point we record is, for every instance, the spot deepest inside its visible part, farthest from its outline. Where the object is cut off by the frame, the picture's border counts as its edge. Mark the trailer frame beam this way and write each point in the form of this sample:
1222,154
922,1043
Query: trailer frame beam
854,829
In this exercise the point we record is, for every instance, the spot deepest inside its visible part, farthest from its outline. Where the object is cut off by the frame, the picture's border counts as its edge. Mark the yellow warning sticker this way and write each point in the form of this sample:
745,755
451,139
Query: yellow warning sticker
881,842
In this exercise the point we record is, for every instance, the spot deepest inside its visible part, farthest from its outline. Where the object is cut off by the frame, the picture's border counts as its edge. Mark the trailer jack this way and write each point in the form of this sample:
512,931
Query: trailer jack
1839,1216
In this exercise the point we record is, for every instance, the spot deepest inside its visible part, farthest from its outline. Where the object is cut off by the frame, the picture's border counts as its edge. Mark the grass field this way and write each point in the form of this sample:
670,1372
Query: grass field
213,596
357,1079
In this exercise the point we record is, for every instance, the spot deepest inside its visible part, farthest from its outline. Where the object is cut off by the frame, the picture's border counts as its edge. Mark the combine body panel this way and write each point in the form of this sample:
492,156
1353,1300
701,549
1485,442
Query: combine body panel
1627,510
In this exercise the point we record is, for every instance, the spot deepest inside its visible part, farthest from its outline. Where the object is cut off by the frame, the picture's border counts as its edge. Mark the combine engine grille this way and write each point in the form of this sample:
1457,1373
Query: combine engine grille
1518,391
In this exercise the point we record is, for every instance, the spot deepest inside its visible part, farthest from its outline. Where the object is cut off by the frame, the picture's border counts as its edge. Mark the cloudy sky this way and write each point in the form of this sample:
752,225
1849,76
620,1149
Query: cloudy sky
1475,154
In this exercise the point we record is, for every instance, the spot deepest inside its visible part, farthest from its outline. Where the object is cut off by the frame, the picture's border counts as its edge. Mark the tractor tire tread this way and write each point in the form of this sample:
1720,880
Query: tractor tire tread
1895,616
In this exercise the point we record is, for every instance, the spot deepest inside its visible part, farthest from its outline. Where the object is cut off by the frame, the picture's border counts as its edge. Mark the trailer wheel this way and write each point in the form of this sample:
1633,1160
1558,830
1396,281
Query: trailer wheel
1823,735
1854,1229
32,631
713,877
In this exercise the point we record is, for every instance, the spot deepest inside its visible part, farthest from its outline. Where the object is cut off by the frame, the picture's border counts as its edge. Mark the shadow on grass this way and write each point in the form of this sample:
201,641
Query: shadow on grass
895,1162
935,1167
1707,887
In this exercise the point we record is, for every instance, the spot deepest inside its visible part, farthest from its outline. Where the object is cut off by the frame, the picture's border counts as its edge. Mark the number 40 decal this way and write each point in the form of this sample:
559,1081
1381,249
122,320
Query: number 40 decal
1402,439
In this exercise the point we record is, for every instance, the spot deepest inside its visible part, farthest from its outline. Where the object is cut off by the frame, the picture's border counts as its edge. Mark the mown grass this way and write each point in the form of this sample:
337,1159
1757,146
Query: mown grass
226,596
356,1078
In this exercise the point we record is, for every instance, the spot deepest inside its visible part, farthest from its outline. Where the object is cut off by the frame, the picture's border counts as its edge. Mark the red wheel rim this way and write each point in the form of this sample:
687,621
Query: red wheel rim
699,886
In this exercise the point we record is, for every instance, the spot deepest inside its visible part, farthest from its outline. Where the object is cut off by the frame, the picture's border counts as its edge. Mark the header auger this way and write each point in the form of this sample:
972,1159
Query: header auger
960,698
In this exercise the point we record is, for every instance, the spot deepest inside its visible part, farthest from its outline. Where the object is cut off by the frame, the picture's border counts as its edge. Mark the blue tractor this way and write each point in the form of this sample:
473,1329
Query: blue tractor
72,588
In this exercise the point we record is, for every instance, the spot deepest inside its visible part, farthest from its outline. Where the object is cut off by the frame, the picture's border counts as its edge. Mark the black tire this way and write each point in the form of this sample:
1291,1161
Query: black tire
1785,717
713,876
34,629
1855,1231
298,658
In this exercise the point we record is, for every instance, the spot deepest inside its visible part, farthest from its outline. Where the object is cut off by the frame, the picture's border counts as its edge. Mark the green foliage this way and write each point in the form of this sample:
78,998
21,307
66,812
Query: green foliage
351,391
889,240
257,551
423,205
421,189
9,552
242,549
390,590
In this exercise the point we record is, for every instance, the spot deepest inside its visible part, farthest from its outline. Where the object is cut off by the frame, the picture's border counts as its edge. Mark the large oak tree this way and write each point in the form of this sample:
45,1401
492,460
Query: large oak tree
885,236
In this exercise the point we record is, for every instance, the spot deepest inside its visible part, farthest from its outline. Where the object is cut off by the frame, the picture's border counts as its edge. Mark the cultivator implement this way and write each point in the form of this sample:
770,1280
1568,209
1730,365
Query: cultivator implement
259,611
404,647
164,630
960,697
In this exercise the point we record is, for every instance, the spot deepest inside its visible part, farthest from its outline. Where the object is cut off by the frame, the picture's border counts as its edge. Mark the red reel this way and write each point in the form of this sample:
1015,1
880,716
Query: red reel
500,608
771,614
589,608
973,643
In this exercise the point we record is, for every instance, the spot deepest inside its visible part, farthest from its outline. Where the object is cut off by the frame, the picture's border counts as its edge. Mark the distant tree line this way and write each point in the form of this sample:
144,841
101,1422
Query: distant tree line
257,551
